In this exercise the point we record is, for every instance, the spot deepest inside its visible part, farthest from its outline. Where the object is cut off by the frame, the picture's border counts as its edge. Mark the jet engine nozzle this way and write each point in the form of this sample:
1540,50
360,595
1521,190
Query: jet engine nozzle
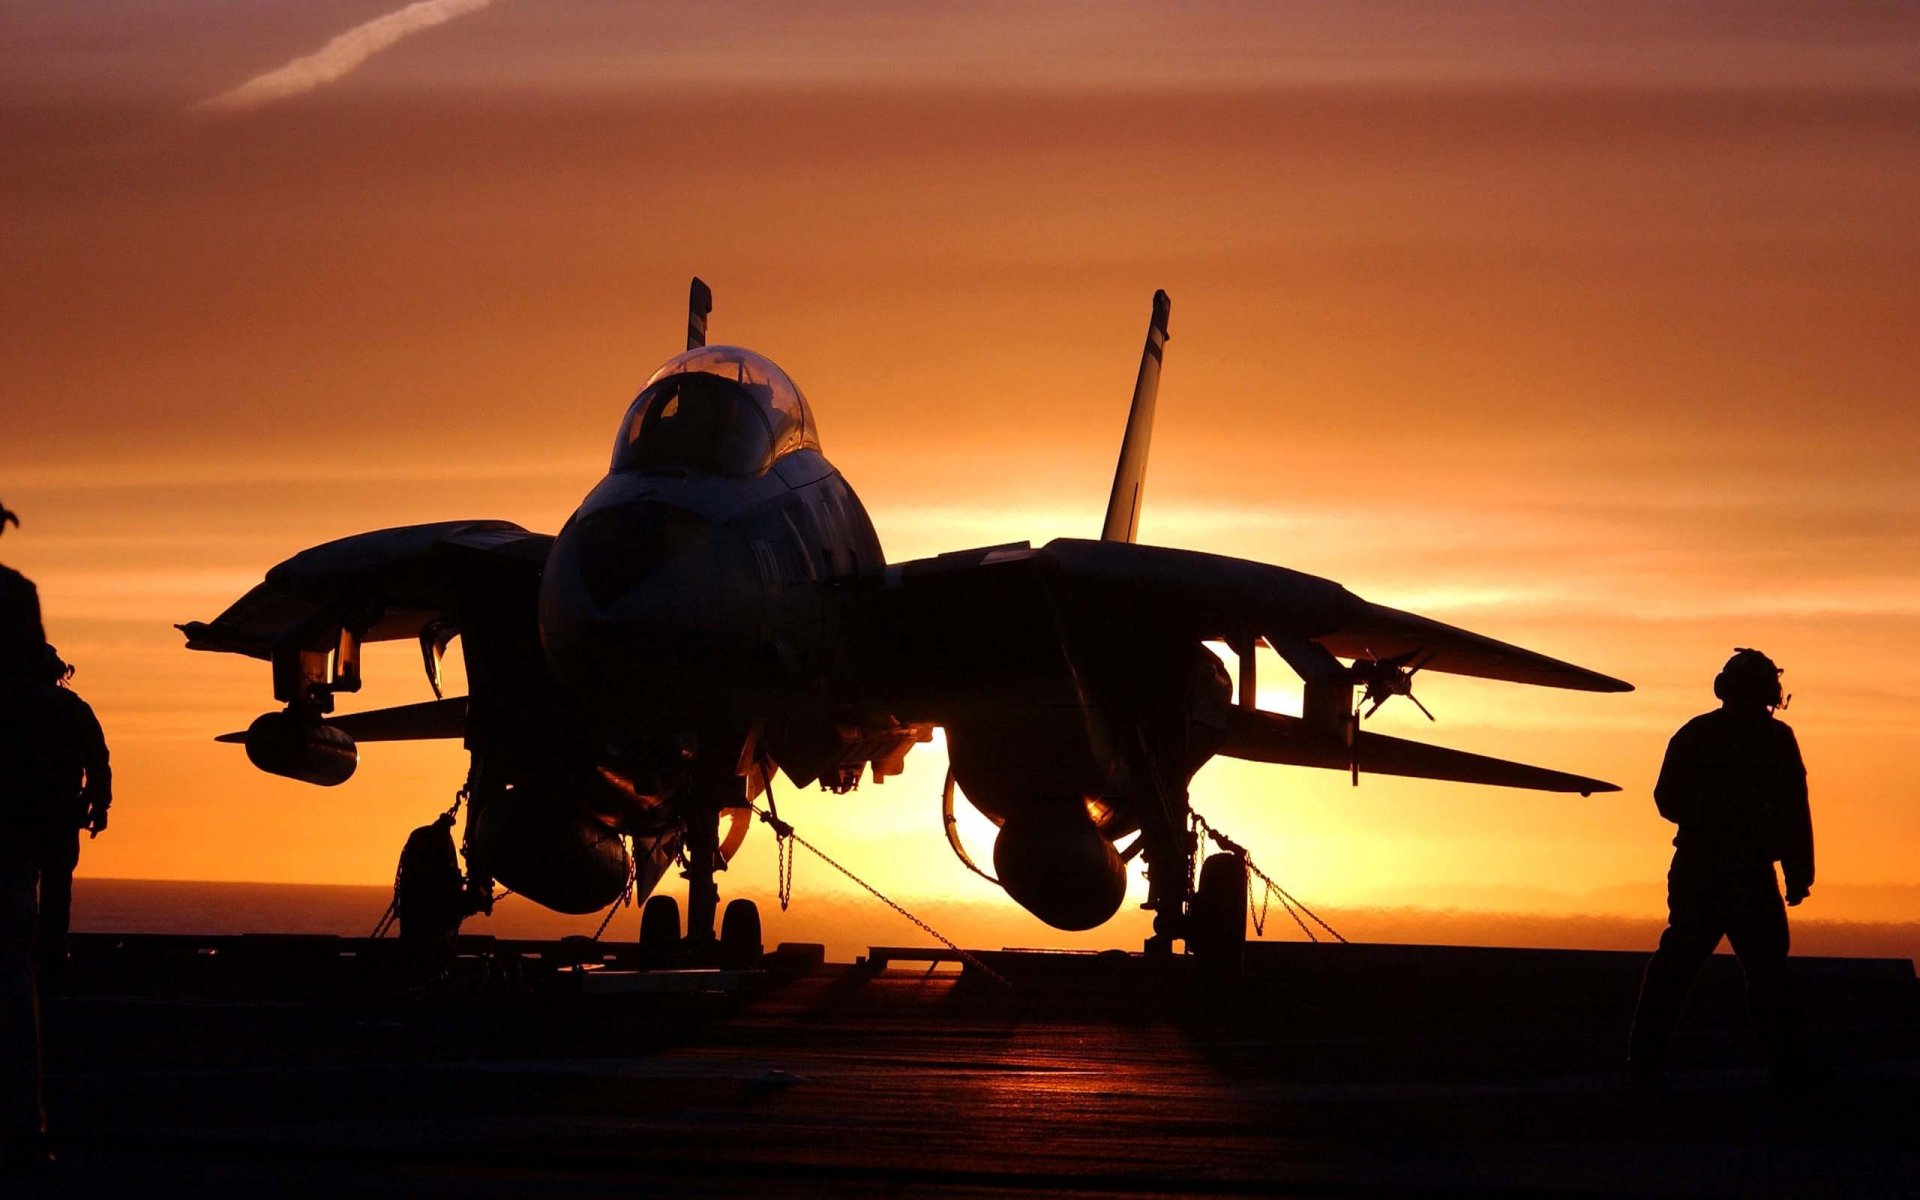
1059,868
280,743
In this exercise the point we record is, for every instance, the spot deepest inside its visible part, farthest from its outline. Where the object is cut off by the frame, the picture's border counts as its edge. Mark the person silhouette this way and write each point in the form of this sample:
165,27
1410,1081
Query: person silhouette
23,1115
1734,783
78,778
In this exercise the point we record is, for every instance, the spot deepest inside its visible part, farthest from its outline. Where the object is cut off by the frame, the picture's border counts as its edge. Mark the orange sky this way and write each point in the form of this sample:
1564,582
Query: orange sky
1586,326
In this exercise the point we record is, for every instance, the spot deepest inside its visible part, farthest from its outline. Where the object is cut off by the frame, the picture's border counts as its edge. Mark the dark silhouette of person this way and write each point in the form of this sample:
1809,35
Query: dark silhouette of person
23,1117
1734,783
79,789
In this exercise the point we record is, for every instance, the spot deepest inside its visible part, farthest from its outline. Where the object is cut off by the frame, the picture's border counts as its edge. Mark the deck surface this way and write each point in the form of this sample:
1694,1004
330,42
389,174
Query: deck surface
1327,1070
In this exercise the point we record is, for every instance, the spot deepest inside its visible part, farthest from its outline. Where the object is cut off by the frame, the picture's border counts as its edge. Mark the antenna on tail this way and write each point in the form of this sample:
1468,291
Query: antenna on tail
699,304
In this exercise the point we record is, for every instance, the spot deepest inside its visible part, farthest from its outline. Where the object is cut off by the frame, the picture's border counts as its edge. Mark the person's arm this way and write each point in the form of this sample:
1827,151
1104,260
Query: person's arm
1796,821
98,792
1673,793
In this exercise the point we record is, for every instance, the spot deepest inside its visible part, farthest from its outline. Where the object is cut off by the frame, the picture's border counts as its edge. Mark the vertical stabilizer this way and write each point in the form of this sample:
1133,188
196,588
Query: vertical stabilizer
1130,476
699,304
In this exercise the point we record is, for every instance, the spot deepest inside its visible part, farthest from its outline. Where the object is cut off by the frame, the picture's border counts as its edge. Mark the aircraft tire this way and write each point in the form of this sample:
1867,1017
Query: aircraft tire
660,934
1217,922
740,947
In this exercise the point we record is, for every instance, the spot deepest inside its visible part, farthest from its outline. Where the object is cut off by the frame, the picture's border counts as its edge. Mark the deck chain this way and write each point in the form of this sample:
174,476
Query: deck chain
786,832
1288,900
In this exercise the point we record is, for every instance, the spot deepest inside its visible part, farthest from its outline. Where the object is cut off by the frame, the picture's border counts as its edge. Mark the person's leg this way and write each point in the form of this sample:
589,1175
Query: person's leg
1757,927
1691,934
56,913
23,1117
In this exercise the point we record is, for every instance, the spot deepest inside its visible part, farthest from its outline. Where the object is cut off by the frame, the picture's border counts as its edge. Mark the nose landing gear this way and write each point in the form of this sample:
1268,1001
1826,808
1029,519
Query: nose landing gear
738,946
662,948
660,934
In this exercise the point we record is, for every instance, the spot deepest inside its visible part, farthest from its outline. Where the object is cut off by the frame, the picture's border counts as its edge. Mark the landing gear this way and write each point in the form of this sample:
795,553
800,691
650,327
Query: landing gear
702,805
703,894
1211,917
660,934
429,898
740,947
1217,917
1168,850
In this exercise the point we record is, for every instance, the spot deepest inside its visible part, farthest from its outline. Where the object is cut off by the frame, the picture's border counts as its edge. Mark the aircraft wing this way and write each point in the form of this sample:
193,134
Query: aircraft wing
382,585
406,723
1384,632
1277,738
428,582
959,623
1210,596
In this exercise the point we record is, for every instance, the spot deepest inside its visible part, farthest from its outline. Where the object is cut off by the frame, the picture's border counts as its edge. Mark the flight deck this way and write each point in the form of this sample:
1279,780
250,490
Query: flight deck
311,1065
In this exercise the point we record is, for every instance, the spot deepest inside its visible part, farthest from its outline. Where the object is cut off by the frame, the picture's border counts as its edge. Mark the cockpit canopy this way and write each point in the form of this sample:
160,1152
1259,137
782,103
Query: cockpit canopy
716,408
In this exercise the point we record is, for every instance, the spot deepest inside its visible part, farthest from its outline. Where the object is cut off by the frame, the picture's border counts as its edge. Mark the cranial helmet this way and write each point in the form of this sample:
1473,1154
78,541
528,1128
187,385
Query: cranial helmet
53,668
1749,677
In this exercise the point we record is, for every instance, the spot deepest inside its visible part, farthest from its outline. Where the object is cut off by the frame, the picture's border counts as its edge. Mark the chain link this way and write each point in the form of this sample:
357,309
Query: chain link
783,867
626,892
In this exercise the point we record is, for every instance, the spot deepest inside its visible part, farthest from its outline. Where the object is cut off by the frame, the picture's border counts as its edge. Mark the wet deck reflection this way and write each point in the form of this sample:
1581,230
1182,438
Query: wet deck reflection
1094,1079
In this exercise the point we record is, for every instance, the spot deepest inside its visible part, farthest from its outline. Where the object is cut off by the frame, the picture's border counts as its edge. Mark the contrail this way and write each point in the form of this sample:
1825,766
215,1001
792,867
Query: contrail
340,56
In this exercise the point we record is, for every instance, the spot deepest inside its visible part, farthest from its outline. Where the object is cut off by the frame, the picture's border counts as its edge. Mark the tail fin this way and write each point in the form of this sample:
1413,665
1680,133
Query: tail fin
1130,476
699,304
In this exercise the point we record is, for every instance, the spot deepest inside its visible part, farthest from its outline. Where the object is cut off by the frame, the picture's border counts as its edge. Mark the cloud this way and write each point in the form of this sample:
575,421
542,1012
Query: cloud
340,56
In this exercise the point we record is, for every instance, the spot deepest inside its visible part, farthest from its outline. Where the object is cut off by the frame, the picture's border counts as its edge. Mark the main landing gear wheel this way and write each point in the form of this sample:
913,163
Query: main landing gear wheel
740,947
660,934
429,899
1217,919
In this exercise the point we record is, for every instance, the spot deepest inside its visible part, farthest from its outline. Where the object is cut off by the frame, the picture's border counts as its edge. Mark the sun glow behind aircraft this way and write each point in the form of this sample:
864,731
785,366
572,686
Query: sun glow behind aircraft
1618,369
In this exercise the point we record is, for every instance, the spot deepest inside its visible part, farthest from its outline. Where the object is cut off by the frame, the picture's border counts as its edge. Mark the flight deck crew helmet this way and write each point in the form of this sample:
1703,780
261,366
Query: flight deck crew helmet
1749,677
53,668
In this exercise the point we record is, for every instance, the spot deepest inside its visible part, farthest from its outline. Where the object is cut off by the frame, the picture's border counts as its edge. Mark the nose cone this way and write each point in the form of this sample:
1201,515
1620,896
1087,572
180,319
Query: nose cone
614,549
644,605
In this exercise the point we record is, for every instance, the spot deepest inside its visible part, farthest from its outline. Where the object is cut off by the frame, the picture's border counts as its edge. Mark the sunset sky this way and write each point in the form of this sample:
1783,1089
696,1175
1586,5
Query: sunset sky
1590,326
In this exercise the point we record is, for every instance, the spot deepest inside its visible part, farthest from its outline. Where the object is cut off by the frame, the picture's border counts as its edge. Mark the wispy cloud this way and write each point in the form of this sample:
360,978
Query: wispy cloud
340,56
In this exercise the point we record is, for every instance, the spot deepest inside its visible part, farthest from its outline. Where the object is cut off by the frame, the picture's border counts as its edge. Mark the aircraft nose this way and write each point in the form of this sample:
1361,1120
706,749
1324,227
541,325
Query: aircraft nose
615,549
644,604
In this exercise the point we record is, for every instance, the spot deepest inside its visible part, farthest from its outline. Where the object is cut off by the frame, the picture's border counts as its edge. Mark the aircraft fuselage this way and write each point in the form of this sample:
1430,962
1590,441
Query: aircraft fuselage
679,595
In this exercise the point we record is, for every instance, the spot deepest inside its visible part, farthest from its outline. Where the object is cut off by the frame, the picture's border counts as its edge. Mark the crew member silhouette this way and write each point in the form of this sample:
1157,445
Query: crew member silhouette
79,788
23,1117
1734,783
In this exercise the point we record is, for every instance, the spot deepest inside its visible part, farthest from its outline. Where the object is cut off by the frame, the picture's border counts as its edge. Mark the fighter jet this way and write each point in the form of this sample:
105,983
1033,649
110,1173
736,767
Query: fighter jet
719,608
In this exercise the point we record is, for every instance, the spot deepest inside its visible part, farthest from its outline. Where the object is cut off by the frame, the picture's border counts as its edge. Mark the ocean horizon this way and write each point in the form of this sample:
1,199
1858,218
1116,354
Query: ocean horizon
849,928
